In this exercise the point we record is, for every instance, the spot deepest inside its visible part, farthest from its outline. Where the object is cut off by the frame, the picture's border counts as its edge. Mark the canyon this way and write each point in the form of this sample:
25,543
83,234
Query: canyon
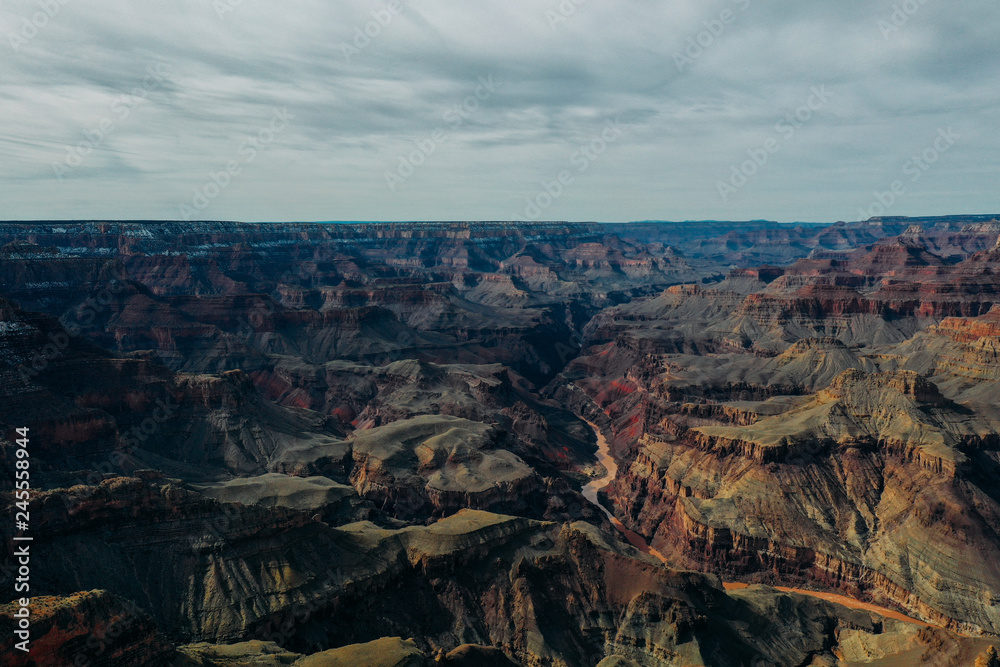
477,443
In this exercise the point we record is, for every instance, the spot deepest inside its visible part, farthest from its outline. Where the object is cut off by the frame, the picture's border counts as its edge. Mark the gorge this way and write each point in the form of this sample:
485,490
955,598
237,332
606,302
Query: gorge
500,443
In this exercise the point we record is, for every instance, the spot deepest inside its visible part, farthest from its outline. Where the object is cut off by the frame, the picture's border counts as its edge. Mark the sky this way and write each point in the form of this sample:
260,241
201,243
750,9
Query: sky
516,110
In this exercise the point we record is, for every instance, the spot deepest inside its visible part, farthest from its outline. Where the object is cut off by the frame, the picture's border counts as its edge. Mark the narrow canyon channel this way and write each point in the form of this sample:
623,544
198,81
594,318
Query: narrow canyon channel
591,489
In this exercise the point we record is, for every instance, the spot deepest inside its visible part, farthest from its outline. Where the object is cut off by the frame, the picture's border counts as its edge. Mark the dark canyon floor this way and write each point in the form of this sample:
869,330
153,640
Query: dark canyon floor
374,444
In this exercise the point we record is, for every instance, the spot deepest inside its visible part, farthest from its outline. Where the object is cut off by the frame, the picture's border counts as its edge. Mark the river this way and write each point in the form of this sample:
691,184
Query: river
591,489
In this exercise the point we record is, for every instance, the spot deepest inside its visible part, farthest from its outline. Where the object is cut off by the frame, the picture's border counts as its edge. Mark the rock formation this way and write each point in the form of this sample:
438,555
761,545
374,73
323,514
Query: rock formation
362,444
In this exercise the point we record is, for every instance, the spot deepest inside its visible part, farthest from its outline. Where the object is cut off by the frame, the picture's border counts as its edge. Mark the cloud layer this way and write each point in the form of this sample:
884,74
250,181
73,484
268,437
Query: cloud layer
525,109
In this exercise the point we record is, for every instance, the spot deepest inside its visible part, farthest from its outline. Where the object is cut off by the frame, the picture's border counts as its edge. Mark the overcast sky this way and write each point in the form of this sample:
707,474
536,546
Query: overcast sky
473,110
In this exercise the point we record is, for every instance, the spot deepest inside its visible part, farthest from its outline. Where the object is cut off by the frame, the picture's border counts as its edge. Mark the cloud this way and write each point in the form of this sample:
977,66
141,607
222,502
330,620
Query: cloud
701,86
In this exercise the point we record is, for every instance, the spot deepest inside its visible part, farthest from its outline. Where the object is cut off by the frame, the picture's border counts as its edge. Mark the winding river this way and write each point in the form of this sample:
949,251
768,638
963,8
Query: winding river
591,489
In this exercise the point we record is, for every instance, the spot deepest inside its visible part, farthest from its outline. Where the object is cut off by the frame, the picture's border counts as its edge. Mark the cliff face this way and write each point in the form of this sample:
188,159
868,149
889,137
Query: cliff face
199,568
825,493
959,354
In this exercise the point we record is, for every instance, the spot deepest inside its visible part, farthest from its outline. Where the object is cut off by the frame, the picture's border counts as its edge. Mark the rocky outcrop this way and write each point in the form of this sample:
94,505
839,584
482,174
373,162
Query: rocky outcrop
86,628
254,652
441,462
960,355
988,658
321,497
900,411
383,652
